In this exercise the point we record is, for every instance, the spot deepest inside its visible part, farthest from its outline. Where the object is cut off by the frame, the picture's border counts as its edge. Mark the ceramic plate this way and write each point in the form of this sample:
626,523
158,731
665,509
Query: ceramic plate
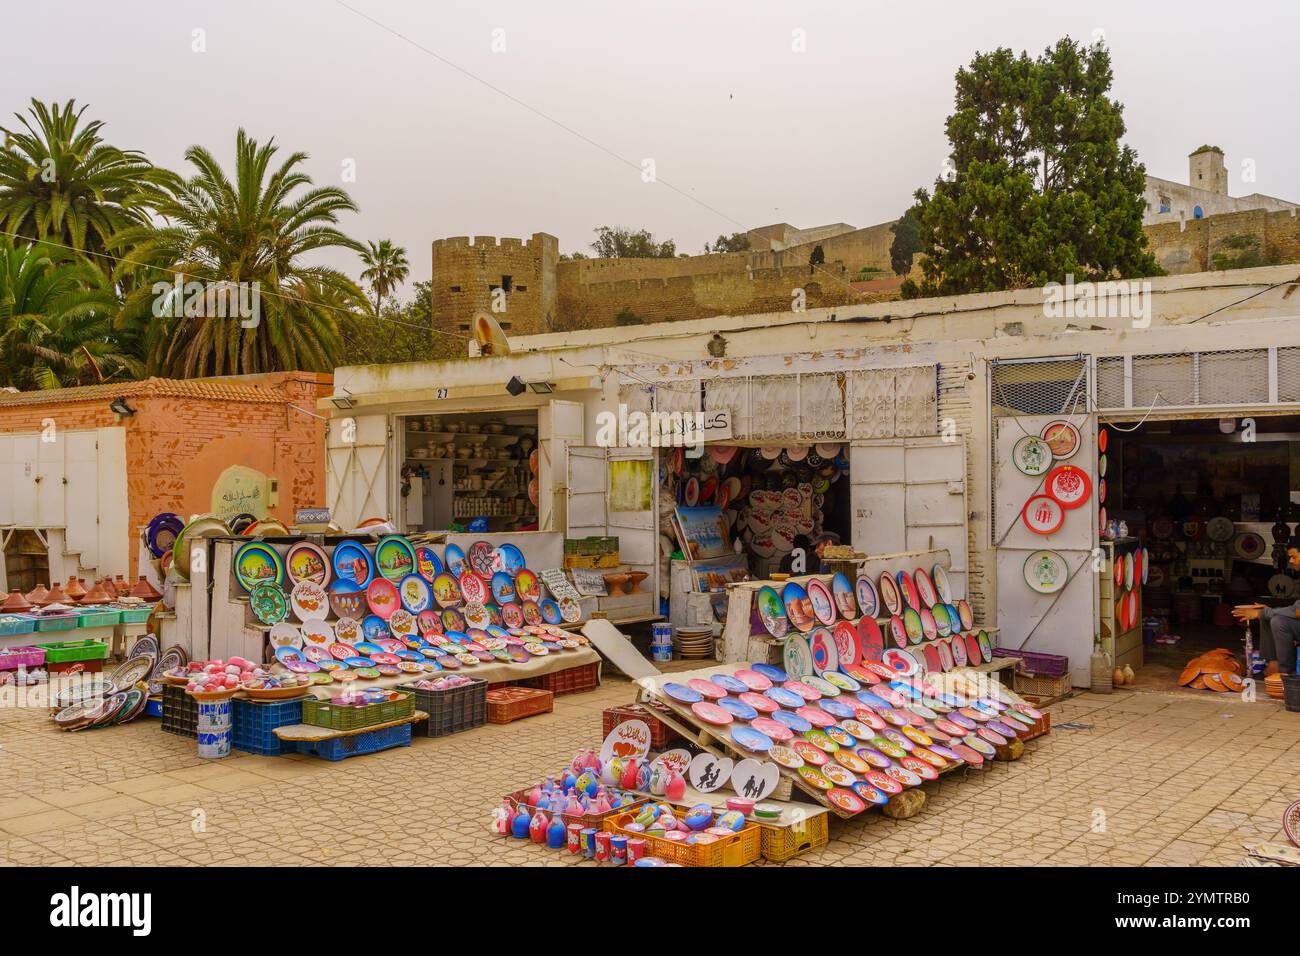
1032,456
753,680
792,720
285,634
824,654
479,556
871,640
798,607
842,589
446,589
823,687
527,585
785,757
1068,485
730,684
550,611
912,625
1046,572
772,612
898,631
868,597
941,584
269,604
1043,514
942,622
749,739
1062,438
737,708
785,697
381,597
353,565
711,713
848,649
907,585
454,558
889,593
770,672
309,601
347,603
760,702
900,661
427,564
570,610
307,561
822,601
966,614
415,593
797,657
257,563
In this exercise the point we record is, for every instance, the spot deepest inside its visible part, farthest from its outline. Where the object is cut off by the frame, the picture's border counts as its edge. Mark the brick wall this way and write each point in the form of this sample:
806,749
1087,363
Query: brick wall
1193,248
465,272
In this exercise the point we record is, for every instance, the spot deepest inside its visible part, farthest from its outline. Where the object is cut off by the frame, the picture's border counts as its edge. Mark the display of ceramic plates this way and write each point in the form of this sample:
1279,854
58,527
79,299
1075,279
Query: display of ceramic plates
900,661
1046,571
747,738
446,590
1032,456
508,558
1069,485
382,598
771,611
1063,438
889,593
822,600
868,597
415,593
309,601
871,640
1043,514
798,606
306,561
353,565
454,559
797,657
268,603
257,563
711,713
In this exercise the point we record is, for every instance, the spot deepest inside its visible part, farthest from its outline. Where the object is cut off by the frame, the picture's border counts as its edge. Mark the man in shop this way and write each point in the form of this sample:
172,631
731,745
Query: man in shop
1279,627
812,549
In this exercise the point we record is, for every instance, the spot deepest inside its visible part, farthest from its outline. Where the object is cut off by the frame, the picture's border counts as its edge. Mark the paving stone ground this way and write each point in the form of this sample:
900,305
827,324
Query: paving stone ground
1153,779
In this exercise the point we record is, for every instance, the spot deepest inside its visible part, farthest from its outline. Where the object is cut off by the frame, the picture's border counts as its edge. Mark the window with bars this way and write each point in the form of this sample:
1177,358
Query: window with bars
1039,387
1191,379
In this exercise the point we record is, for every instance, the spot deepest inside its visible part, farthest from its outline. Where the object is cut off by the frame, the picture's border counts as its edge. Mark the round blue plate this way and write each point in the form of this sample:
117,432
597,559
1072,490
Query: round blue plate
871,700
410,655
907,690
750,739
836,708
771,673
458,637
511,557
374,627
496,630
869,793
786,698
285,653
730,684
366,647
503,587
454,556
358,662
737,707
415,593
353,564
682,693
550,611
792,720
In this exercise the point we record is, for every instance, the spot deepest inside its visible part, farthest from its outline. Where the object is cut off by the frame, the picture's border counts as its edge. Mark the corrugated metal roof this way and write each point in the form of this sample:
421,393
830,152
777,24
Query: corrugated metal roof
223,390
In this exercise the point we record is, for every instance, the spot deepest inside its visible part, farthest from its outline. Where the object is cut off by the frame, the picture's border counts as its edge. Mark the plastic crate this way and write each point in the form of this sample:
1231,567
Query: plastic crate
452,710
253,722
737,850
505,704
17,657
1036,662
321,713
12,624
136,615
180,712
354,745
154,707
75,667
1040,685
110,617
571,680
784,843
74,651
661,735
57,622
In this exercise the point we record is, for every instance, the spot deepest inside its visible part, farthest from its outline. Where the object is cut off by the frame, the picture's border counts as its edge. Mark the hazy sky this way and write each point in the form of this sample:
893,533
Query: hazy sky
711,91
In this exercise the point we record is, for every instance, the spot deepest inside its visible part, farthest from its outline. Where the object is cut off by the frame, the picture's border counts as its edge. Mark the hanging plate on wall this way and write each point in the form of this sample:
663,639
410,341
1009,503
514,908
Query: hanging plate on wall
1069,485
1046,572
307,561
1032,456
1043,514
353,565
1062,437
257,563
1220,529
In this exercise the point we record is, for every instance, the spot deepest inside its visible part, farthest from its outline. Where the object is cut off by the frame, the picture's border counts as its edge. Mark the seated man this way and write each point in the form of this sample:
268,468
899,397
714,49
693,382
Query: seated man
1279,627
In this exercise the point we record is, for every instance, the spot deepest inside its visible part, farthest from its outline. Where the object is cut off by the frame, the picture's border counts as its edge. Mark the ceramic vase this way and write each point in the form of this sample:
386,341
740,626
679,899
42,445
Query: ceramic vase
537,828
557,834
676,786
520,824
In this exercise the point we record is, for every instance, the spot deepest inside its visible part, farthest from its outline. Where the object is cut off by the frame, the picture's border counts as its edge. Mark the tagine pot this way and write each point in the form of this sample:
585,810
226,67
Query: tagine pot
58,596
38,596
16,602
96,595
143,589
74,590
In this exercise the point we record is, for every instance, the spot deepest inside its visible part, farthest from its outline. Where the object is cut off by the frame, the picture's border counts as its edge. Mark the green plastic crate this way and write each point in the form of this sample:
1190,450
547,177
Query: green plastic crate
62,622
321,713
67,651
136,615
105,618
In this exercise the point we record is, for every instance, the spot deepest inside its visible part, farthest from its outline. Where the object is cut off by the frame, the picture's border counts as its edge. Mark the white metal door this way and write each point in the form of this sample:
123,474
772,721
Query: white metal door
1064,622
909,494
559,425
356,469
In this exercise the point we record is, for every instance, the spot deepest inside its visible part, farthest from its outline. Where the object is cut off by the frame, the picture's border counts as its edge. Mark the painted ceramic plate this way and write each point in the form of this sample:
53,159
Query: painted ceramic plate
269,604
760,702
814,778
900,661
508,558
868,596
804,690
737,708
966,614
1043,514
942,622
570,610
257,563
352,565
747,738
974,654
1063,438
823,687
957,648
942,585
889,593
838,775
322,634
870,794
711,713
797,657
848,649
479,556
824,654
785,697
309,601
381,597
898,631
446,589
929,627
454,559
682,694
842,589
706,688
925,587
822,601
394,557
798,606
777,731
870,638
427,563
415,593
912,625
527,586
907,585
751,679
550,611
811,754
1068,485
770,672
772,612
284,634
1046,571
792,720
785,757
820,740
1032,456
307,561
474,588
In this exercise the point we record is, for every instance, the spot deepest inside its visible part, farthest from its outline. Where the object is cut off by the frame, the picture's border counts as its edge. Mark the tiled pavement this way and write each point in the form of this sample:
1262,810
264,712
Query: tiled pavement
1155,780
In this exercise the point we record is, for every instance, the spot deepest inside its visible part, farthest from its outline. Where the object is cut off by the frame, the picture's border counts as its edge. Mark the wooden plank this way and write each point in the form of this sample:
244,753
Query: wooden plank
310,732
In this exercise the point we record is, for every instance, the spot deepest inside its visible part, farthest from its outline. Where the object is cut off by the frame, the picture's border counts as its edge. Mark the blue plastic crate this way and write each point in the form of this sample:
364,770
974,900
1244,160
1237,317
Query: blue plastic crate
354,745
254,722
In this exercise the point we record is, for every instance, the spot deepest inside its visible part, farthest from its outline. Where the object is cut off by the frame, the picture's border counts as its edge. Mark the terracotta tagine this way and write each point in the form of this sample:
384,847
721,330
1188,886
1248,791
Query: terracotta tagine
73,588
96,595
57,595
16,602
143,589
107,585
121,586
38,596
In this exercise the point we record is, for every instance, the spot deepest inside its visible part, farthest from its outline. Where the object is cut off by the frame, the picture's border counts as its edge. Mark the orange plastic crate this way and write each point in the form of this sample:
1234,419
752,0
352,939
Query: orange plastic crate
571,680
505,704
745,847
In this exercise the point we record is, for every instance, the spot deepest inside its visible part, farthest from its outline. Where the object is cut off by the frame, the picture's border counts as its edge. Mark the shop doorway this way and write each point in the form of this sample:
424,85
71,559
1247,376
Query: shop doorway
1213,503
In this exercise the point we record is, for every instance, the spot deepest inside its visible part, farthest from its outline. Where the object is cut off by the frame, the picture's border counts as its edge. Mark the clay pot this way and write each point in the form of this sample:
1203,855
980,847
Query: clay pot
634,579
1129,676
73,589
38,596
57,595
107,585
143,589
121,586
16,602
614,581
1117,677
96,595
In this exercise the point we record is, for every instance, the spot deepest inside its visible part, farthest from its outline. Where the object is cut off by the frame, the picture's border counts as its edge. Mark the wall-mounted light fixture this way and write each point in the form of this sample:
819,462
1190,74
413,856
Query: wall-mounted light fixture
119,406
342,398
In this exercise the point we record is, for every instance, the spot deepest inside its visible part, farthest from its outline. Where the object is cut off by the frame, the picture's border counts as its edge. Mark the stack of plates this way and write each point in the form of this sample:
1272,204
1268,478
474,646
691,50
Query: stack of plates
693,641
1273,686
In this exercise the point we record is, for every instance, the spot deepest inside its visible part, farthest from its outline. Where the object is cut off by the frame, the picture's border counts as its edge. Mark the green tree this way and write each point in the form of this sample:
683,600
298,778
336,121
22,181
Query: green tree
403,333
736,242
61,182
386,269
620,243
1038,185
258,228
816,258
56,315
906,242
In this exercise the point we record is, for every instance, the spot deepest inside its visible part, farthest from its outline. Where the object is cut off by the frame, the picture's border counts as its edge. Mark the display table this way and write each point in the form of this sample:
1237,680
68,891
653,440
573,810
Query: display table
114,635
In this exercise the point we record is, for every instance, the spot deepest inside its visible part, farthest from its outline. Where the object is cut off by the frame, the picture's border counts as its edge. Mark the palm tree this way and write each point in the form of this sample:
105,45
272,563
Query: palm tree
61,182
56,313
386,269
257,228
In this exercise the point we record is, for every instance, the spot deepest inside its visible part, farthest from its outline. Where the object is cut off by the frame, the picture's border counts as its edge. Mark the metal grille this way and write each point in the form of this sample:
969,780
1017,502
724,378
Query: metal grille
1288,375
1163,380
1040,387
1110,381
1234,378
1191,379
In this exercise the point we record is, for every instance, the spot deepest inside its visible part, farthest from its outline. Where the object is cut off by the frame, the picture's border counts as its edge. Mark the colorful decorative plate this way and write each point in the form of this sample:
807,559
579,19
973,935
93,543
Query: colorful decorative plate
550,611
751,679
1069,485
352,565
382,598
772,612
1032,456
811,754
804,690
711,713
785,757
1063,438
870,794
942,586
889,594
822,601
966,614
1046,571
842,589
269,604
925,587
427,564
824,654
848,648
454,558
474,588
814,778
394,557
446,590
900,661
912,626
798,606
868,597
870,638
907,584
508,558
737,708
957,648
747,738
770,672
929,627
838,775
760,702
309,601
823,687
681,693
307,561
706,688
973,652
415,593
784,697
898,631
820,739
503,587
347,603
257,563
942,622
527,585
797,657
779,732
570,610
284,634
479,556
1043,514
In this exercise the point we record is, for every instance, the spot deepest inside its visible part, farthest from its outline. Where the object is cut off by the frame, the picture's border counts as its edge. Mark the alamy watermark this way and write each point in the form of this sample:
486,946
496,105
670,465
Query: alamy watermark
209,300
637,429
1099,300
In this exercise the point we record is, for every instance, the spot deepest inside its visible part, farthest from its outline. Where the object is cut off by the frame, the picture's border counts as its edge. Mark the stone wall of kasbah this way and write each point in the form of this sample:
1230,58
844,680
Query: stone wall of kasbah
176,447
1191,247
465,272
